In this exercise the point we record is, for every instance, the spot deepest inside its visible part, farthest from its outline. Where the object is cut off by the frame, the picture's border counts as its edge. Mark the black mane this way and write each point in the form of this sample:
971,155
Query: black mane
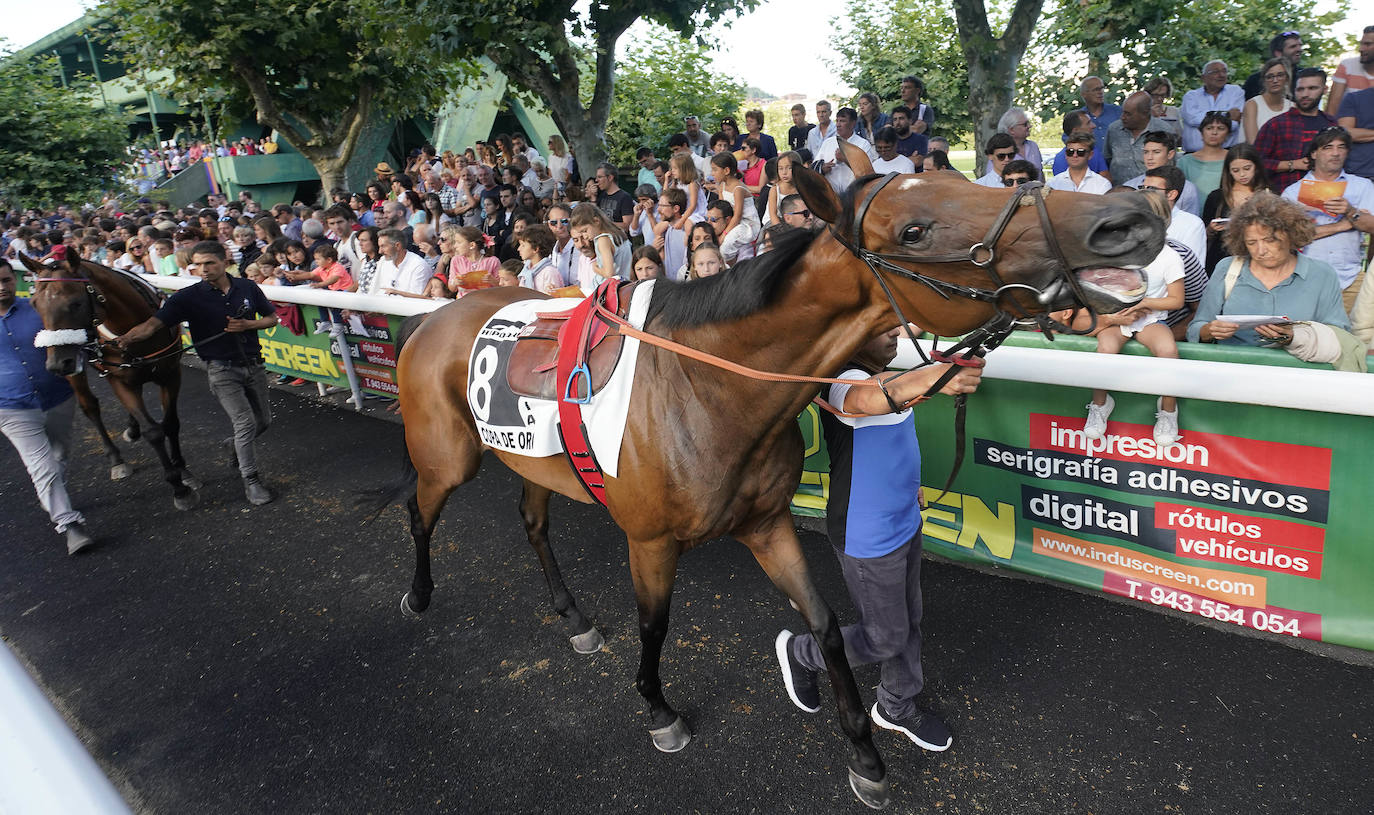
730,295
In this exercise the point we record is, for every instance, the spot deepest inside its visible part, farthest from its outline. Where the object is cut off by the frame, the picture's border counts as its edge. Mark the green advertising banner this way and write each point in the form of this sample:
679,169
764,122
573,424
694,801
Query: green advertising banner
1257,517
316,356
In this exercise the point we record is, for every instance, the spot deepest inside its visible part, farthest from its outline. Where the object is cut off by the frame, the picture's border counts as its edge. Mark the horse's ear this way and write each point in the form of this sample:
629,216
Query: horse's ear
819,196
857,159
30,263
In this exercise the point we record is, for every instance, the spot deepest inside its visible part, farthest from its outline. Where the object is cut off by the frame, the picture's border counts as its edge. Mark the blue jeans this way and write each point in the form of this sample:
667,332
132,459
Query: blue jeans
242,392
887,594
40,438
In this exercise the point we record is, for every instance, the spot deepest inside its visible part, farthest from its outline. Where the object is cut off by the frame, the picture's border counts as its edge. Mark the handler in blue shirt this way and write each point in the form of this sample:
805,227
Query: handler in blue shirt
36,411
874,522
225,314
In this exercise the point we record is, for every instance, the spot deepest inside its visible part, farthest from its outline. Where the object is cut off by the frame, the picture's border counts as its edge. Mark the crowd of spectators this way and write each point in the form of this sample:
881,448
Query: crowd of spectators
1223,164
150,165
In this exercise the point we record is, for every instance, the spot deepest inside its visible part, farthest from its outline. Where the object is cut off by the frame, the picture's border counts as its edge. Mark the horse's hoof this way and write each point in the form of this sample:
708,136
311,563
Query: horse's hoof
672,738
119,472
588,642
187,501
189,480
407,610
873,794
130,435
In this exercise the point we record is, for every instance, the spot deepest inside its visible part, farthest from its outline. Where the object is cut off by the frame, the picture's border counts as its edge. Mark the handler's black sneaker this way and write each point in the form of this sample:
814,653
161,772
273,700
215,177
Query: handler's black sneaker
800,682
922,727
255,491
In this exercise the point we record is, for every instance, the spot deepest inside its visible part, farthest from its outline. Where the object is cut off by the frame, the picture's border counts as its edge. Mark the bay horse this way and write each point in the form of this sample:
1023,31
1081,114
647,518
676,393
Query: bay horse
707,452
84,306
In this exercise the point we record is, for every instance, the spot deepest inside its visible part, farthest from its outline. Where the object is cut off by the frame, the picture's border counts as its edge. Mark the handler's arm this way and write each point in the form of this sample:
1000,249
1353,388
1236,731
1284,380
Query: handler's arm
235,325
910,385
139,333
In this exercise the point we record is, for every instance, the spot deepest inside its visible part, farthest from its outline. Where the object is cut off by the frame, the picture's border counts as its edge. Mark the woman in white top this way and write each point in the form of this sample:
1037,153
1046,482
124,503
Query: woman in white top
1274,100
558,160
1016,123
612,252
738,235
682,173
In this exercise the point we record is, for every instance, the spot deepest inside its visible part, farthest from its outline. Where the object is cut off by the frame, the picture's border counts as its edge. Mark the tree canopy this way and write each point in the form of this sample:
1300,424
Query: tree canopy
56,146
314,70
662,78
543,45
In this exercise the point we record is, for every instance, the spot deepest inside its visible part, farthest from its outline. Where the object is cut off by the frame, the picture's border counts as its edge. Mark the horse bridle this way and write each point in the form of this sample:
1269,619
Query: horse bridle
975,345
95,348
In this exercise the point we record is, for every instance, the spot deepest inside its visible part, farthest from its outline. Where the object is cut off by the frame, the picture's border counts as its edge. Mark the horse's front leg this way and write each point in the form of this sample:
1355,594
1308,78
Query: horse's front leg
90,406
534,511
653,567
183,497
169,384
778,551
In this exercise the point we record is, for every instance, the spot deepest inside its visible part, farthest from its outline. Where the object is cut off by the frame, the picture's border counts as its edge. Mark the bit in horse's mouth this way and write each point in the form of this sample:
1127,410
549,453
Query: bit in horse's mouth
1113,281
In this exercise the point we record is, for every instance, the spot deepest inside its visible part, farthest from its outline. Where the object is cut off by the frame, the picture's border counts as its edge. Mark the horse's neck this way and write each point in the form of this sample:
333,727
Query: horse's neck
827,309
124,306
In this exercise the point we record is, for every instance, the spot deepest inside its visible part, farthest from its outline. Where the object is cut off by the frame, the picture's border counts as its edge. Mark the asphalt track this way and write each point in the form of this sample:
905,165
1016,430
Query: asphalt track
241,660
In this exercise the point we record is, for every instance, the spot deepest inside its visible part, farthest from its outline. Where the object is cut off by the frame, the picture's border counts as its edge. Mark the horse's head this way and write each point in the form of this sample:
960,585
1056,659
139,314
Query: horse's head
65,299
981,251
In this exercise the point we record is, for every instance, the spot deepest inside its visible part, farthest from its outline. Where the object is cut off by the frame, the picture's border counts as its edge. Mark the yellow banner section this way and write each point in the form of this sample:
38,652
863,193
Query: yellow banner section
1228,587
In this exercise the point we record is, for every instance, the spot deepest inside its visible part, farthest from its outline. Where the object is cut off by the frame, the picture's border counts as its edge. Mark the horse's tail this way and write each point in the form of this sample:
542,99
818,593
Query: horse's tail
376,499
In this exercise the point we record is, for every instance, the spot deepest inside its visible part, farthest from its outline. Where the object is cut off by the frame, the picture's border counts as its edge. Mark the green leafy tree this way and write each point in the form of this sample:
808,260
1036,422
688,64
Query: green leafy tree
57,145
314,70
542,45
660,79
890,39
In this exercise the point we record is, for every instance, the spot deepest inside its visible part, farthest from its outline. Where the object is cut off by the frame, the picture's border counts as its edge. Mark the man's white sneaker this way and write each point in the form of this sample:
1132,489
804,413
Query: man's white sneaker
1166,425
1096,425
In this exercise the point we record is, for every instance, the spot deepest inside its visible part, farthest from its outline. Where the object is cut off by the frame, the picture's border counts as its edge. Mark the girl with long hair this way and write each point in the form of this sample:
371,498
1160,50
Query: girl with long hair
1242,175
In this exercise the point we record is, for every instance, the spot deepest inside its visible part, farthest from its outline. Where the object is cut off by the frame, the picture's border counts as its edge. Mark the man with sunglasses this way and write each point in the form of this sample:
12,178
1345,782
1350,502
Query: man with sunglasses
1019,172
1078,175
795,213
564,252
1000,150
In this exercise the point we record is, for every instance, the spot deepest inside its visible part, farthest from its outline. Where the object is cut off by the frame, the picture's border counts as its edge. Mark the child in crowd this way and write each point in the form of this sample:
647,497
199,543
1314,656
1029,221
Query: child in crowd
683,175
509,274
329,272
603,248
471,269
741,220
539,272
706,260
647,264
1144,322
164,258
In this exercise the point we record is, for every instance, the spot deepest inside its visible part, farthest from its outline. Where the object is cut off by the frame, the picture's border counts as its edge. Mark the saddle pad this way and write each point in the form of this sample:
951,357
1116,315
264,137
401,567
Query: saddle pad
527,426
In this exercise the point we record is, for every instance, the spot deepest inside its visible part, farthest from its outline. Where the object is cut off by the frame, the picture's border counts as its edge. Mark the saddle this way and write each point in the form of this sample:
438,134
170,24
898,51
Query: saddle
534,359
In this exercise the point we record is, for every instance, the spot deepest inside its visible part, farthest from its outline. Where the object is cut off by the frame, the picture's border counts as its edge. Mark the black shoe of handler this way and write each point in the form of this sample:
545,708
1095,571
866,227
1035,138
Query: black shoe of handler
800,682
256,491
922,727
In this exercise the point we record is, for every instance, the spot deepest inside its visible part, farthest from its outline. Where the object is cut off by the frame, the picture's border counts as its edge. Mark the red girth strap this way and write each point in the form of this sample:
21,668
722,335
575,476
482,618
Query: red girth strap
574,383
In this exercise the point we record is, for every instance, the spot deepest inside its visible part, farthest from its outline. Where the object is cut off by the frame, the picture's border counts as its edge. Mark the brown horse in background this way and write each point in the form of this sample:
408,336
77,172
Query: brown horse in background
708,453
92,304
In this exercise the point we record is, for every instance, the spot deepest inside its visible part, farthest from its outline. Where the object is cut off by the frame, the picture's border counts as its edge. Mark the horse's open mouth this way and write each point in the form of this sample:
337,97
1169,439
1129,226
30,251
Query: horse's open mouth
1111,288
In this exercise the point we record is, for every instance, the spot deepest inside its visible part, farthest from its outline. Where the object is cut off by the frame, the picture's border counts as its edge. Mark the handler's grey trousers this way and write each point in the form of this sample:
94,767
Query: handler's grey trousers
887,594
242,391
40,437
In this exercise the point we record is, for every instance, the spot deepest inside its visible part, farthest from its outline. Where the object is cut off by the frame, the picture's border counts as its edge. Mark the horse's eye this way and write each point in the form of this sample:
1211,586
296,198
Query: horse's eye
914,233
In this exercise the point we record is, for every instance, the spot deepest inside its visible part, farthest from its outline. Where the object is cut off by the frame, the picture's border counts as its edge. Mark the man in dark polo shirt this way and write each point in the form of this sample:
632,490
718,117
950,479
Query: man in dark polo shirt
225,314
873,519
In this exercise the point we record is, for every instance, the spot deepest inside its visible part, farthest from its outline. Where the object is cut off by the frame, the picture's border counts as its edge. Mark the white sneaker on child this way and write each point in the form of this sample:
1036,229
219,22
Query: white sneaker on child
1096,425
1166,425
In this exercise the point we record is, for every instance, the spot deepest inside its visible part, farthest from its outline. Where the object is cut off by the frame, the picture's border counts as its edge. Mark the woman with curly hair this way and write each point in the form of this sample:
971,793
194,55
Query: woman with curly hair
1267,275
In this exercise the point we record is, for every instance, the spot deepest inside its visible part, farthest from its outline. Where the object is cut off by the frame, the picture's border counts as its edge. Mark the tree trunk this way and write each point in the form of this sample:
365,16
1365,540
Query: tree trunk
992,63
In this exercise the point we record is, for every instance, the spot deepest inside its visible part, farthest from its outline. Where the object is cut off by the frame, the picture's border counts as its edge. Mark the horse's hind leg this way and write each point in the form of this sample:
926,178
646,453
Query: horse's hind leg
183,497
424,507
777,550
133,432
653,566
534,511
91,407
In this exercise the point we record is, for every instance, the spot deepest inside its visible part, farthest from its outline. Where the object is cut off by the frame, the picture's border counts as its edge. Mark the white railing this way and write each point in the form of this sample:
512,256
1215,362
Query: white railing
1299,388
44,768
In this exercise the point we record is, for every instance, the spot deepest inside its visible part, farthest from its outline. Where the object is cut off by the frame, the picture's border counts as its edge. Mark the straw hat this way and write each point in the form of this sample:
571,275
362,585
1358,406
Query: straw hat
383,168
